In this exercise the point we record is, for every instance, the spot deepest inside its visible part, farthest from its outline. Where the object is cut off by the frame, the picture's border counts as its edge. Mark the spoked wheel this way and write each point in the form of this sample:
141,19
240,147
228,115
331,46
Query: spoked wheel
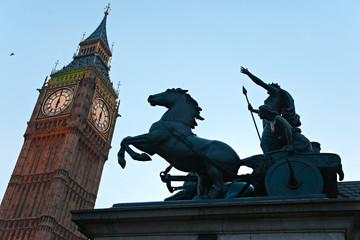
294,177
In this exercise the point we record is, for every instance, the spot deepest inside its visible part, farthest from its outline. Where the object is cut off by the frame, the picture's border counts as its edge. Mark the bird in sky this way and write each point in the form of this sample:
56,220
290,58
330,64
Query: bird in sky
12,54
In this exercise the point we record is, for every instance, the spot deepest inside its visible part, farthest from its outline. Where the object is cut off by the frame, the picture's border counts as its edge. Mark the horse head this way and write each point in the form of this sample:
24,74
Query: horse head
168,98
186,110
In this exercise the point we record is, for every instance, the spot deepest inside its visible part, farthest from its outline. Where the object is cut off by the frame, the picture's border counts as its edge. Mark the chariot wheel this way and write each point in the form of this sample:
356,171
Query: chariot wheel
294,177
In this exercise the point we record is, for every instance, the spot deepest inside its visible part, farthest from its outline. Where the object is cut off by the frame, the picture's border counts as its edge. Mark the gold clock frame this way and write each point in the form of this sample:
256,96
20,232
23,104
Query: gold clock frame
105,134
48,93
108,112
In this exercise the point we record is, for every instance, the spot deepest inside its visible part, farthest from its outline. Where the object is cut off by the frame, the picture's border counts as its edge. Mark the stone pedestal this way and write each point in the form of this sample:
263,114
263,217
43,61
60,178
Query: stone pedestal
240,219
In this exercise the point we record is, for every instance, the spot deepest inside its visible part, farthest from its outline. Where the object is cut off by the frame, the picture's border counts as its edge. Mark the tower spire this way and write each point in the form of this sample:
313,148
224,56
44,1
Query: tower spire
94,52
107,9
111,50
78,48
100,31
118,88
54,68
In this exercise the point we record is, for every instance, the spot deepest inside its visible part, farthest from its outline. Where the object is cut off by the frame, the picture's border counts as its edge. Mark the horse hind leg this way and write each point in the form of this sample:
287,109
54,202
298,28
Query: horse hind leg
203,187
216,176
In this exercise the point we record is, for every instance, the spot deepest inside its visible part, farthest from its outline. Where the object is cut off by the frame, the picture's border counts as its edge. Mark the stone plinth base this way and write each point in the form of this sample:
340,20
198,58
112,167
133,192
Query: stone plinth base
245,219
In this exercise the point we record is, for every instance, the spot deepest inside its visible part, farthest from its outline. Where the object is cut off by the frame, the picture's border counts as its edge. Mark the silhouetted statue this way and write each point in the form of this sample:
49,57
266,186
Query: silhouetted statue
172,138
290,138
280,101
294,169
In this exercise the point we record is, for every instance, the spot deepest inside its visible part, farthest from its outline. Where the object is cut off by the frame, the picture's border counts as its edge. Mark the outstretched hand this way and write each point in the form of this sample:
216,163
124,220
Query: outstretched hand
244,70
250,108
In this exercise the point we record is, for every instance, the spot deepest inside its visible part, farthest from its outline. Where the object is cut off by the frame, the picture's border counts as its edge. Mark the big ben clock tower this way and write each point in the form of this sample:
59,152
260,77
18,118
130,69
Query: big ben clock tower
67,142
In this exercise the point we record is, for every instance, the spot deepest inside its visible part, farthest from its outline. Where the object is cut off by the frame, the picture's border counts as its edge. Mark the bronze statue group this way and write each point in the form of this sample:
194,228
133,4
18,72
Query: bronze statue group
212,165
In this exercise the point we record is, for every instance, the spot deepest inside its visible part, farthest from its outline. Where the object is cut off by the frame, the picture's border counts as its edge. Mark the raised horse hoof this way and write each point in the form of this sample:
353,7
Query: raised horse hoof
122,161
144,157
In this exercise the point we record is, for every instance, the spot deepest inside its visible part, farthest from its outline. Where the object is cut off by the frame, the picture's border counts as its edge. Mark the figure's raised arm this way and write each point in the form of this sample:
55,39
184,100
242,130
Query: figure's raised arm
257,80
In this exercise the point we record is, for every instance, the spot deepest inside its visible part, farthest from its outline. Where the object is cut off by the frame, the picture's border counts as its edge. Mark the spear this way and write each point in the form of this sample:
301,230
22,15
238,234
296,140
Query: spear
252,115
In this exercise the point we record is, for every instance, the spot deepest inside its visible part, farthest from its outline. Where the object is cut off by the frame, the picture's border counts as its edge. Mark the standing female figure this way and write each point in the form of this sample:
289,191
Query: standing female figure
280,101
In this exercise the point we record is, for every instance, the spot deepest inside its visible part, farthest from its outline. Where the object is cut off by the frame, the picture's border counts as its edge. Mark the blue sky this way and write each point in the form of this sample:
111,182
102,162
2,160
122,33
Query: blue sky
311,48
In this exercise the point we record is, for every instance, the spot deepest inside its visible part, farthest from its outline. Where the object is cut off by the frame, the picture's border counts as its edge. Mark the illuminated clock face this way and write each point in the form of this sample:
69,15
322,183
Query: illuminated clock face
100,115
58,102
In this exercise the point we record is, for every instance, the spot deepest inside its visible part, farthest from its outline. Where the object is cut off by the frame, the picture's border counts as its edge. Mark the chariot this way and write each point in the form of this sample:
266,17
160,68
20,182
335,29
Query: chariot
280,173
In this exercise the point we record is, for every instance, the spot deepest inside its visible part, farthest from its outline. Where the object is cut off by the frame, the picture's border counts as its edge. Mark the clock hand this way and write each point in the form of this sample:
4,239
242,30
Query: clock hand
58,101
100,116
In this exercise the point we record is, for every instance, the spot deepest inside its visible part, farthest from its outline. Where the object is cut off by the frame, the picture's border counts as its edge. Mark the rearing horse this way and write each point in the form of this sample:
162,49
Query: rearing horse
172,138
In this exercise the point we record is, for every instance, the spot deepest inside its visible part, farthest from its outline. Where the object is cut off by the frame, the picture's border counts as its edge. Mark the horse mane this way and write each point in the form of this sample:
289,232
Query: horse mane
191,101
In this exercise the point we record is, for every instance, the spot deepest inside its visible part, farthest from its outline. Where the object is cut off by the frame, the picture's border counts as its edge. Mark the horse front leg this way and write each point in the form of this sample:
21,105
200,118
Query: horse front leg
121,157
141,140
